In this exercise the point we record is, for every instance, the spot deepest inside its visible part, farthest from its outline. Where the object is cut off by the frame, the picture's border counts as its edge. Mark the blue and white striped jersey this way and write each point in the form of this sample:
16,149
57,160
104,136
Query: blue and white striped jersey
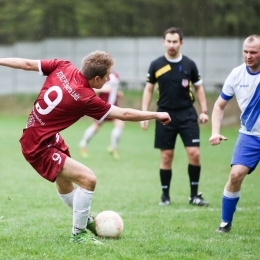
245,85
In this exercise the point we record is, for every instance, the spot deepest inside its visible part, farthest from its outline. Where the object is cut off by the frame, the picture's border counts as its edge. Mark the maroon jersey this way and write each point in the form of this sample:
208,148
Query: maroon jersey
64,98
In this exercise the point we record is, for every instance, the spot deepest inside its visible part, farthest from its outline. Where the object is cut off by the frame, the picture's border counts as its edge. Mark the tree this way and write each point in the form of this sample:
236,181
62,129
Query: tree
34,20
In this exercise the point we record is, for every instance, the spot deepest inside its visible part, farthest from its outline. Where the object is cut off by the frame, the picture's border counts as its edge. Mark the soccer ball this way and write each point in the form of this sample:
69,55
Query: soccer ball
109,224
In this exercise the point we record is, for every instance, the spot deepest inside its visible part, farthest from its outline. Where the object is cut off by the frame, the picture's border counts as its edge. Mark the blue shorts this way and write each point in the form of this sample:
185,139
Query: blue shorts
247,151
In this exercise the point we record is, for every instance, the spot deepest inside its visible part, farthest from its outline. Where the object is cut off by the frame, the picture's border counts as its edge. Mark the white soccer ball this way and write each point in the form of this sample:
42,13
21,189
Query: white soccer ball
109,224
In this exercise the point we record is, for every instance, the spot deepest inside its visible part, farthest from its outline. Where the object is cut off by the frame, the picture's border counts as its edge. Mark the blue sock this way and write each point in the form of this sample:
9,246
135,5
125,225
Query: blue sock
228,209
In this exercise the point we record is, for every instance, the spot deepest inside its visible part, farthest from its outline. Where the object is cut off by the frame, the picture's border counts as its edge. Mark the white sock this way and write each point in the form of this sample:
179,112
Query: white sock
67,198
81,209
115,137
229,194
88,134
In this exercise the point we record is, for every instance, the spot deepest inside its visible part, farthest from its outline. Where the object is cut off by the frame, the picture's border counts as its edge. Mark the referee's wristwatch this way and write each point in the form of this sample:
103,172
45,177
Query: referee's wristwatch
205,112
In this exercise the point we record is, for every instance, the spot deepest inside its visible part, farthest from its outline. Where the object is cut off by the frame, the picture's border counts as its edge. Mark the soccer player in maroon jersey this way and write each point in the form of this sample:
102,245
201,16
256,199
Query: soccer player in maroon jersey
66,95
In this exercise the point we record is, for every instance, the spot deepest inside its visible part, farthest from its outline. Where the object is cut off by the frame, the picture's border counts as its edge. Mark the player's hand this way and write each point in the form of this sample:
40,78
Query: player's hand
216,139
204,118
144,124
164,118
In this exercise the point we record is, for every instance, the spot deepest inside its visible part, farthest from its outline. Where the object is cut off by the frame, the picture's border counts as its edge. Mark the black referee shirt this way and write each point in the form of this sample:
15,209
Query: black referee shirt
175,81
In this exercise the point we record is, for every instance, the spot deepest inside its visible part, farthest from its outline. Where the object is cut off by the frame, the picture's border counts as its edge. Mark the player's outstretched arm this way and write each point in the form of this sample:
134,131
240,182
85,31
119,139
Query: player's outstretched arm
18,63
217,116
134,115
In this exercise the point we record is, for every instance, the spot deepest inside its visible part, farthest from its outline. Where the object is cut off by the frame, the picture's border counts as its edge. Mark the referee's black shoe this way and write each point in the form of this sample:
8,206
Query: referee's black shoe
165,201
198,201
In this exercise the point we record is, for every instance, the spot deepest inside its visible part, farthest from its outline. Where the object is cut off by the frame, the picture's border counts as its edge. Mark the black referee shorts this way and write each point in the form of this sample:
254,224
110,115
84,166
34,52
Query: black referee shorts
184,122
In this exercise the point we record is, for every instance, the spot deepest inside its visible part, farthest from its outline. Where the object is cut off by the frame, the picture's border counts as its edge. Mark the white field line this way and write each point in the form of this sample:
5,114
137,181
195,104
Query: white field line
195,209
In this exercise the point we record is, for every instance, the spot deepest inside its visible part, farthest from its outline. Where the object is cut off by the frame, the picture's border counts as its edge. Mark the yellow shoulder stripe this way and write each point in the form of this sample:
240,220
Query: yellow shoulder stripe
163,70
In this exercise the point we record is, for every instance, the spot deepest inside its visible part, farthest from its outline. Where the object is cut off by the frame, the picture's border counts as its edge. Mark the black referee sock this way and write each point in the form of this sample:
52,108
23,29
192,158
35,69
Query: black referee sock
194,174
165,176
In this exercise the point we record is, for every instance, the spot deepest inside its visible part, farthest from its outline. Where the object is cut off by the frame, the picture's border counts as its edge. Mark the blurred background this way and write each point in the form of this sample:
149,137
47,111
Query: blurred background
131,31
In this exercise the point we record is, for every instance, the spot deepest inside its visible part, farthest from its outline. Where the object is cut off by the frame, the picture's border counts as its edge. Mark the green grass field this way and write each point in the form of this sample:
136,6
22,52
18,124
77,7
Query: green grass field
35,224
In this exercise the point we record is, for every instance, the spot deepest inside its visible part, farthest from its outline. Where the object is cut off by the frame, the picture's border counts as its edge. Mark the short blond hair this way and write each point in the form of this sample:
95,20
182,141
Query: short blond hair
96,63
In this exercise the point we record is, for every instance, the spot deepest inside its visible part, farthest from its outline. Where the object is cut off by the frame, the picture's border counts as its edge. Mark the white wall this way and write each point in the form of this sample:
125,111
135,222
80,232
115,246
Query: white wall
215,58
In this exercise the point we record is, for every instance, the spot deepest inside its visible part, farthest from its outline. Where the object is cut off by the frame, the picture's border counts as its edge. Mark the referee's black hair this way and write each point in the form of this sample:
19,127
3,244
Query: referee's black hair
174,30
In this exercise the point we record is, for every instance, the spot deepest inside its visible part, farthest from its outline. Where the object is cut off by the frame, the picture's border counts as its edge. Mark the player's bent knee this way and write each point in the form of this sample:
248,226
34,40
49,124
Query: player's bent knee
236,177
88,181
92,179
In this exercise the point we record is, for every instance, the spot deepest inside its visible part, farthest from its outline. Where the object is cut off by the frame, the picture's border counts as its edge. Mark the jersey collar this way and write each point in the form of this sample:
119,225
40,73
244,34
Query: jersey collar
174,60
252,73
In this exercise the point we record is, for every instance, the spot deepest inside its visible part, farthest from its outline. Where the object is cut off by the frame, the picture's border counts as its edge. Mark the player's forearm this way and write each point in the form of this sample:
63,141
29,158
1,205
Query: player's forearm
18,63
129,114
216,119
133,115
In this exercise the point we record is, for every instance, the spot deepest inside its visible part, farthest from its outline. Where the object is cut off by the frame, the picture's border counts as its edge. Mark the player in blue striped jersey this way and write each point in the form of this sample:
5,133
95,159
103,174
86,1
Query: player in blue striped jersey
244,83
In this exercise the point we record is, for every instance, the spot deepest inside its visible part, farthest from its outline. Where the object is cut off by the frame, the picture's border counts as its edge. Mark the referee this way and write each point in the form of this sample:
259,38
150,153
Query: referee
174,75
